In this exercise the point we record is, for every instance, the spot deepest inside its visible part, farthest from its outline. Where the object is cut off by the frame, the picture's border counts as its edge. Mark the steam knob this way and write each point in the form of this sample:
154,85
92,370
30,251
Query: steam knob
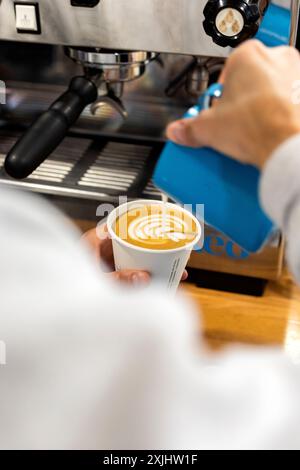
230,22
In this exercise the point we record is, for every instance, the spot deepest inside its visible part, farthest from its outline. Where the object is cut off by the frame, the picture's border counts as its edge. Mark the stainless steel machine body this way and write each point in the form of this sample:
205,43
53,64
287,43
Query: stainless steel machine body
173,26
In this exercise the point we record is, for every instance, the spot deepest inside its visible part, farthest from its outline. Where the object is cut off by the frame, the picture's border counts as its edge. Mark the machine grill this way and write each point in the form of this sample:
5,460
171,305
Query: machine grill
96,169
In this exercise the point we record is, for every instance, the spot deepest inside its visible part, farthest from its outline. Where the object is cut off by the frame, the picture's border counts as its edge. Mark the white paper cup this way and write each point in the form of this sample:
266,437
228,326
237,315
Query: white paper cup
165,266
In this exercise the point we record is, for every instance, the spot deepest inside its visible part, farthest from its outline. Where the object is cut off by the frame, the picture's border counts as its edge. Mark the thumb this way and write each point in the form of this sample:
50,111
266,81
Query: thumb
194,132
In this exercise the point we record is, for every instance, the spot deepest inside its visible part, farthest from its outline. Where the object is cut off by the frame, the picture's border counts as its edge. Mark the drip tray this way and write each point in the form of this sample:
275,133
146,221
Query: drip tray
97,169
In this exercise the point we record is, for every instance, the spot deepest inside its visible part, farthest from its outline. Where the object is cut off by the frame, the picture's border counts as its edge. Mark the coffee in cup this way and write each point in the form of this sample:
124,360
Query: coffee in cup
154,236
156,227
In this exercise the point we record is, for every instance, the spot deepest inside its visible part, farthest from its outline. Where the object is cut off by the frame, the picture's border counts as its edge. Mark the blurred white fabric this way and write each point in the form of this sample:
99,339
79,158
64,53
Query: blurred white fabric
90,366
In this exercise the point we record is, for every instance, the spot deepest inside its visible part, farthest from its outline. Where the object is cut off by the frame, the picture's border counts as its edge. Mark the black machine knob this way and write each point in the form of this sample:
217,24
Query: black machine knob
230,22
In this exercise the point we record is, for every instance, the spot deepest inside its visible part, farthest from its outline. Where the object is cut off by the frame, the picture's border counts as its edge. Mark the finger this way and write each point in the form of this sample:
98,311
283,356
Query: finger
92,240
131,277
106,252
194,132
105,246
184,276
248,52
101,244
102,232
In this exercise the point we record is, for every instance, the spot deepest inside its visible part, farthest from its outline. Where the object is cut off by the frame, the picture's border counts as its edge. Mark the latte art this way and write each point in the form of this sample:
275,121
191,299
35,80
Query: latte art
157,227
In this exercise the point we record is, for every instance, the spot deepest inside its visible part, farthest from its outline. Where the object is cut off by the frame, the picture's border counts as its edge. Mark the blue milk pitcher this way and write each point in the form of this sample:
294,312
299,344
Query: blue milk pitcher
227,189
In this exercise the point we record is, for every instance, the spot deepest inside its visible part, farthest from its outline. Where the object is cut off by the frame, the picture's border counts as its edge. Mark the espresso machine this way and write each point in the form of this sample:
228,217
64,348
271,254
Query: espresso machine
90,86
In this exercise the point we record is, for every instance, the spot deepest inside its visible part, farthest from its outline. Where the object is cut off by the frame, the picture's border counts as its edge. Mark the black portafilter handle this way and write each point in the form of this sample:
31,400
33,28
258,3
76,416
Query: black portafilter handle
48,131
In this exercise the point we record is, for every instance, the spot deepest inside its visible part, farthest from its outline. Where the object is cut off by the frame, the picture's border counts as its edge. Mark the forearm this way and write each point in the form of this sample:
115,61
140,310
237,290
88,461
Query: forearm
280,196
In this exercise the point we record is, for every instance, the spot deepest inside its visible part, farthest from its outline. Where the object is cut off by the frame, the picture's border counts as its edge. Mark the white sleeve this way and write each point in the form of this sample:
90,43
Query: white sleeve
280,196
89,366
